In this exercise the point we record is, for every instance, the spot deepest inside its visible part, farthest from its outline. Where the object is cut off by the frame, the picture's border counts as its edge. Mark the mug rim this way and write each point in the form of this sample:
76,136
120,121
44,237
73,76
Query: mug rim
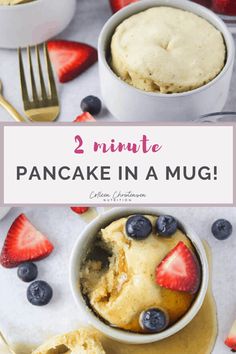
22,6
77,256
114,21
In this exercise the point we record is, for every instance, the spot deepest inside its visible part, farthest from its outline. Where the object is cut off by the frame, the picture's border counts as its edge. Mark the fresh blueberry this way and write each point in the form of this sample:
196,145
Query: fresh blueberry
39,293
166,225
27,272
222,229
154,320
91,104
138,227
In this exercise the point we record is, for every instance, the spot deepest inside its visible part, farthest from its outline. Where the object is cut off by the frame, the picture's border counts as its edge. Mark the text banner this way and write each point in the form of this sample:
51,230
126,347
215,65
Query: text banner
100,164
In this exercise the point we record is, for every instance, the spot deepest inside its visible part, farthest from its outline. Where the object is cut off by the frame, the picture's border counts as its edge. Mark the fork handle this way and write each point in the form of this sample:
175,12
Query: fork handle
10,109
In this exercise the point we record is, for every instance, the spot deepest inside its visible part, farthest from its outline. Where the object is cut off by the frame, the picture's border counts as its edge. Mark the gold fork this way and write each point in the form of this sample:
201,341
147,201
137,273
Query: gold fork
42,107
6,347
9,108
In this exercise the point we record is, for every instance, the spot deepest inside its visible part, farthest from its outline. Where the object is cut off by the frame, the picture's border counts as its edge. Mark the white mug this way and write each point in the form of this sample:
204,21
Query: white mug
80,249
34,22
128,103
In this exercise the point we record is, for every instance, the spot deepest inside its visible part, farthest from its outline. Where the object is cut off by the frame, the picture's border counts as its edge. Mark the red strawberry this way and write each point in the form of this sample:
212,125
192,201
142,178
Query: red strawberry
179,270
71,58
116,5
231,339
85,117
227,7
24,243
80,210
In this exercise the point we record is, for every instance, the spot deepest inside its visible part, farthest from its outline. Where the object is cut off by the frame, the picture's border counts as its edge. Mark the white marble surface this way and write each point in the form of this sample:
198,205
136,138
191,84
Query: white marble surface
20,321
24,323
86,26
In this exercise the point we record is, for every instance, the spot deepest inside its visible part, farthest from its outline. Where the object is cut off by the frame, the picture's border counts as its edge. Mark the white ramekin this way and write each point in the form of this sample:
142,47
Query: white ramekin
80,249
127,103
34,22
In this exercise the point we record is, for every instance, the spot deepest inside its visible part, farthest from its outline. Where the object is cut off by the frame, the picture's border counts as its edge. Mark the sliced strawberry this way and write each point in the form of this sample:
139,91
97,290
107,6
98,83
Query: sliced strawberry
231,339
226,7
85,117
71,58
80,210
179,270
116,5
24,243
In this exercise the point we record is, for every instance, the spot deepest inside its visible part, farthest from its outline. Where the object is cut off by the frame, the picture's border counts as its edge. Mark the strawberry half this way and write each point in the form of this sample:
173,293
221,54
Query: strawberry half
179,270
85,117
231,339
116,5
71,58
24,243
79,210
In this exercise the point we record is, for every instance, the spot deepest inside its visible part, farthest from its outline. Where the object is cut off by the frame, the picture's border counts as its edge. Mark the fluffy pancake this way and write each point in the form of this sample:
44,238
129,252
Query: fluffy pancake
127,287
167,50
82,341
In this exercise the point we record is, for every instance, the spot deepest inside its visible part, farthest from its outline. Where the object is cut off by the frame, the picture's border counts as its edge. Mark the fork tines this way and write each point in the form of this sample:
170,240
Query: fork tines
39,98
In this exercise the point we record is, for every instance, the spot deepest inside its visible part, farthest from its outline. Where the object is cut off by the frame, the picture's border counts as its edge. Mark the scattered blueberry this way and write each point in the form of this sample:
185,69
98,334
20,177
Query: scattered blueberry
138,227
27,272
154,320
222,229
91,104
39,293
166,225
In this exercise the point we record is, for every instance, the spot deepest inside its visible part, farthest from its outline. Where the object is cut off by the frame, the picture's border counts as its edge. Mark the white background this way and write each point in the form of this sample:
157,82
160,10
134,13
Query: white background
54,146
